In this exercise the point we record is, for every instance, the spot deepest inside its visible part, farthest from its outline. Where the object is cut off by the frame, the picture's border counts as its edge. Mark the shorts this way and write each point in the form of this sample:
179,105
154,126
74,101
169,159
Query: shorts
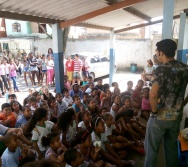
44,71
76,75
69,74
34,68
26,69
7,77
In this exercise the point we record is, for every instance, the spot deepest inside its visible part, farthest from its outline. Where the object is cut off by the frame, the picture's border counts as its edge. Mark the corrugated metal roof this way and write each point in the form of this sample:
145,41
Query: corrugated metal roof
68,9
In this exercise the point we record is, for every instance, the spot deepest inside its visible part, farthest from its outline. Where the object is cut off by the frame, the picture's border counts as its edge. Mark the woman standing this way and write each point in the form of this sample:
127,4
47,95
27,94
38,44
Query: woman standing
50,52
3,75
26,69
13,67
44,68
7,65
50,69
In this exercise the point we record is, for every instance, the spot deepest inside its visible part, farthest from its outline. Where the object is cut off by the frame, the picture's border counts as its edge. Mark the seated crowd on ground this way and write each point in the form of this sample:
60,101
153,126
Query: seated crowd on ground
87,124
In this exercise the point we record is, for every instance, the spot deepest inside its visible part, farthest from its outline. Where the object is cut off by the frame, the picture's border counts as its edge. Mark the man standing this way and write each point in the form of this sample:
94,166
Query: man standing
77,65
166,100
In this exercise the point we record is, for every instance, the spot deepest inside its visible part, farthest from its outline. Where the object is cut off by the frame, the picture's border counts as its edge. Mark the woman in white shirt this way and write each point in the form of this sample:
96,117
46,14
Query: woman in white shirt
50,69
7,65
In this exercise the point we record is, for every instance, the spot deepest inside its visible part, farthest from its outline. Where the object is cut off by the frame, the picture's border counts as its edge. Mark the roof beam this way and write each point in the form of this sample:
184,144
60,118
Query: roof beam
99,12
93,26
132,10
15,16
143,25
138,14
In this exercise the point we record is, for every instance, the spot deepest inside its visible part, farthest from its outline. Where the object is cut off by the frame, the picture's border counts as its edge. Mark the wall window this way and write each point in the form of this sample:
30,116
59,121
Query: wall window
16,27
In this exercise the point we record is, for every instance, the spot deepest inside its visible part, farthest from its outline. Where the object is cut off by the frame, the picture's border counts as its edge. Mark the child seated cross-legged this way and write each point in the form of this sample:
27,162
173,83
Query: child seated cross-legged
67,98
131,125
24,118
40,127
115,106
93,108
74,158
98,134
60,103
56,150
67,125
86,120
13,152
91,154
53,109
106,101
118,142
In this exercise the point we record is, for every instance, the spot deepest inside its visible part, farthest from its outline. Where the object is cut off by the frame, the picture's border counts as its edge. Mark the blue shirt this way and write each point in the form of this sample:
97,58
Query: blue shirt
21,121
79,93
11,159
76,108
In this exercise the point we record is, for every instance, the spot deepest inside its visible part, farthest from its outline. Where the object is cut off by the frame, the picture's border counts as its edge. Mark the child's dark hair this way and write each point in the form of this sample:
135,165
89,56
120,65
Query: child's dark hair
57,95
146,88
105,87
27,160
65,90
8,137
24,108
4,105
90,77
106,115
12,102
83,113
70,155
35,94
38,115
32,99
75,97
103,108
95,121
80,137
93,89
129,82
42,163
85,94
65,118
140,80
47,140
126,113
114,84
125,98
50,99
114,97
12,95
126,93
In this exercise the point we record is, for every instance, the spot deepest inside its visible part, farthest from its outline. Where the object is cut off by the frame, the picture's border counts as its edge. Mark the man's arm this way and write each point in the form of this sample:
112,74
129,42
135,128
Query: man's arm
153,97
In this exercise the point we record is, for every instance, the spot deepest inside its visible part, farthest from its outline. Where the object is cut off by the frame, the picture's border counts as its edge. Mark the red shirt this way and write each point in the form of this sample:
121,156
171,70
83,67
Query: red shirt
69,65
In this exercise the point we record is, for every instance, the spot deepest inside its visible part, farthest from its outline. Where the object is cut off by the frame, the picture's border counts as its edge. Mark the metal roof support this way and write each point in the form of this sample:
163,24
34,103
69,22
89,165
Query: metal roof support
182,53
143,25
112,57
168,12
93,26
99,12
58,57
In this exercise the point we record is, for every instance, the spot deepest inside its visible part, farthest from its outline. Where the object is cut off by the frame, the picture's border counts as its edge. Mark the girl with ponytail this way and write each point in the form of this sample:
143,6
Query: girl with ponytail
56,150
83,142
40,127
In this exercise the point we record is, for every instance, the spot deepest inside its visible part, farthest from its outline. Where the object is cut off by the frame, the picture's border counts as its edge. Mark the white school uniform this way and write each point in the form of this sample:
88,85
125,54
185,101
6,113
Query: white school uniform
82,125
71,132
97,138
108,131
68,100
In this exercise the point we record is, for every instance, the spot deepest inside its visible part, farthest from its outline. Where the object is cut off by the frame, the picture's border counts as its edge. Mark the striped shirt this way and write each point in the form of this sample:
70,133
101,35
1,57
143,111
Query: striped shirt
77,65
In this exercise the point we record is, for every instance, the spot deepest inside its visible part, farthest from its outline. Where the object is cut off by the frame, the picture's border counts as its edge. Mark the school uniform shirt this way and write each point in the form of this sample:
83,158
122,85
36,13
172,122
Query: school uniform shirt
21,121
76,108
18,115
79,93
71,131
82,125
3,129
85,164
88,90
103,139
39,131
109,130
11,159
68,100
50,152
61,107
112,112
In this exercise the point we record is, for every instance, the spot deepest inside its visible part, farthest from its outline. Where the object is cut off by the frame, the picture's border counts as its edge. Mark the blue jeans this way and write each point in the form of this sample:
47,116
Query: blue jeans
14,83
158,130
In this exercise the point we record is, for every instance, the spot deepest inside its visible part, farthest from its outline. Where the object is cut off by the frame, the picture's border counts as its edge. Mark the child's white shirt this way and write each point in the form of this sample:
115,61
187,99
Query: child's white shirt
97,138
108,131
112,112
68,100
38,132
71,132
82,125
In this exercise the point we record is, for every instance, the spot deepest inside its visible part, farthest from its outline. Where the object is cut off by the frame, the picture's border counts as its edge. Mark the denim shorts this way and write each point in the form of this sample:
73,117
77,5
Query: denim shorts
34,68
26,69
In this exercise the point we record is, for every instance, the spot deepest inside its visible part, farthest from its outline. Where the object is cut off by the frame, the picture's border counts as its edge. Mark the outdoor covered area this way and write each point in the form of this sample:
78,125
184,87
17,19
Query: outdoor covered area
115,16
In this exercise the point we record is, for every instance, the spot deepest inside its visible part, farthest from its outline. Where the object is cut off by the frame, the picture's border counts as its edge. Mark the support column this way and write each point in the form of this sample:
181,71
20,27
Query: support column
112,57
57,35
182,41
168,13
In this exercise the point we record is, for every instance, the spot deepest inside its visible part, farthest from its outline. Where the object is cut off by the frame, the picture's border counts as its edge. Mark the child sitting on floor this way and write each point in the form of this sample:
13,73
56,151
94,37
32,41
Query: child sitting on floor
146,108
106,101
86,120
93,108
16,109
115,106
85,100
56,150
67,98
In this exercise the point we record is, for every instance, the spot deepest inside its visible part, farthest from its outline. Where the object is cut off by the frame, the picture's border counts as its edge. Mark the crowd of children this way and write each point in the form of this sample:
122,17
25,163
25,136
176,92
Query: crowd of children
90,125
